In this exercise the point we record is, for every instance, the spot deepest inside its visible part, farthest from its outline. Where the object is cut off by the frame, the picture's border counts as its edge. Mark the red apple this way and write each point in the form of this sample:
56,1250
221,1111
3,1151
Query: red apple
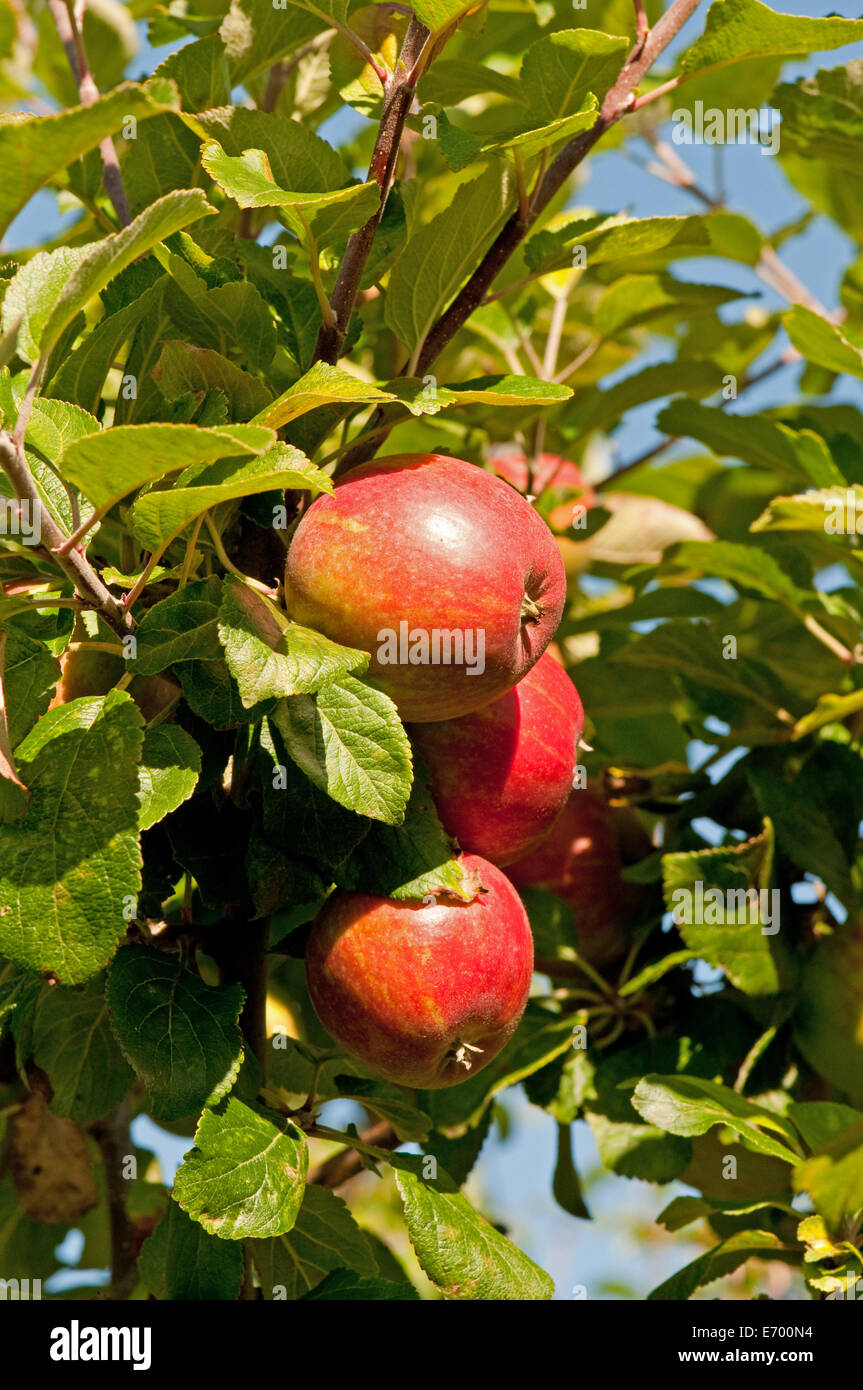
440,571
423,994
580,862
501,775
549,470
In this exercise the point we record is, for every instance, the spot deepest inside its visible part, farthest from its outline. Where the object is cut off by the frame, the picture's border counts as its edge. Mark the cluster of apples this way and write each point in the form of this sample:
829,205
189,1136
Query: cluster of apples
425,993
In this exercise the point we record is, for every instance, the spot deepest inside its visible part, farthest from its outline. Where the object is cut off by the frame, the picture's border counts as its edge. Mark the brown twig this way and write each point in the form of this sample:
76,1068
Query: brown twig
69,27
345,1165
642,26
398,95
74,565
115,1145
617,102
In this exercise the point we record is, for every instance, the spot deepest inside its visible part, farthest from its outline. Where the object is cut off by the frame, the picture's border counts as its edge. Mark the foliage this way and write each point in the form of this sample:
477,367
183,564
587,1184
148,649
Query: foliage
230,319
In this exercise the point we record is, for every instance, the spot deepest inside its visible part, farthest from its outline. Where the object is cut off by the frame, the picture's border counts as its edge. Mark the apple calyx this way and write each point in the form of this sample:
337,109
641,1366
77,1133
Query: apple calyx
530,610
459,1054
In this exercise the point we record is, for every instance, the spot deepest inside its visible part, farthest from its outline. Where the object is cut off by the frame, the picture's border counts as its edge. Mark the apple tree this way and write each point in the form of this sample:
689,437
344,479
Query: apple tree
315,541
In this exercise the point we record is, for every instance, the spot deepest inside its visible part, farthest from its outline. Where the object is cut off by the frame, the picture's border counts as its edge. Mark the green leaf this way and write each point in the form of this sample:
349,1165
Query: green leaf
830,709
822,116
35,148
297,156
611,238
321,385
458,1156
411,860
246,1175
440,255
183,367
804,813
249,180
33,292
718,903
409,1123
170,768
270,656
461,147
754,439
451,80
438,15
107,258
423,398
54,425
626,1144
689,1106
73,1044
560,70
180,1035
30,674
740,30
350,742
255,35
81,766
211,692
693,651
182,627
345,1286
460,1252
200,71
820,1122
181,1262
745,566
232,319
721,1260
823,342
108,465
325,1237
566,1184
295,812
824,511
158,517
639,299
81,376
599,410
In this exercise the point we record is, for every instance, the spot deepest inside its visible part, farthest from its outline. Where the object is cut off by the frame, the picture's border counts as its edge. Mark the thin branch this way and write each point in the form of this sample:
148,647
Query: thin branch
345,1165
642,25
31,391
662,90
75,565
69,29
770,268
399,94
618,101
281,71
776,273
115,1145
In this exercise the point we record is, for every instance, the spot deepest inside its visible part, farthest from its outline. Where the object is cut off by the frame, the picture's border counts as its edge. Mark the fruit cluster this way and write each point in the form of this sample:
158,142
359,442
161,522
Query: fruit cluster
453,560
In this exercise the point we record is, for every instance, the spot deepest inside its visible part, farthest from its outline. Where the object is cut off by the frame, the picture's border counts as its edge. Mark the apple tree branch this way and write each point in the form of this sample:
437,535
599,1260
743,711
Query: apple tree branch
398,95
